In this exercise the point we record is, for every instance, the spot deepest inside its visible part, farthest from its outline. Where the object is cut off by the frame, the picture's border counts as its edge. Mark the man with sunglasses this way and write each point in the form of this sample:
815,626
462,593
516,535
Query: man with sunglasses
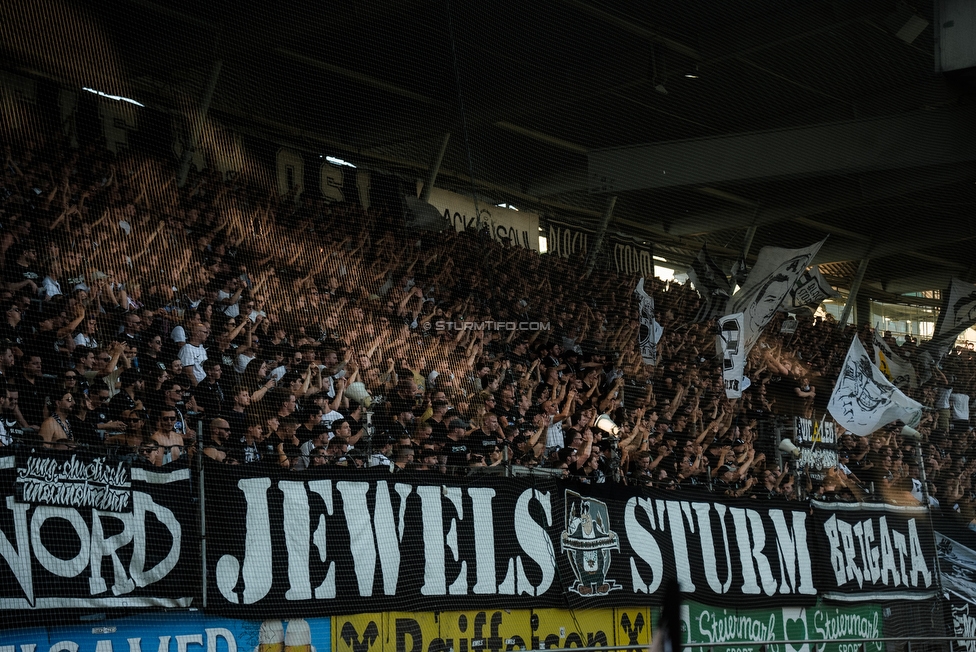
216,448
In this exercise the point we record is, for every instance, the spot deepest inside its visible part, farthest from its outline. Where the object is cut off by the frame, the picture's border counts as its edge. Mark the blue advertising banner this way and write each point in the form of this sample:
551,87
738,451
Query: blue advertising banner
183,632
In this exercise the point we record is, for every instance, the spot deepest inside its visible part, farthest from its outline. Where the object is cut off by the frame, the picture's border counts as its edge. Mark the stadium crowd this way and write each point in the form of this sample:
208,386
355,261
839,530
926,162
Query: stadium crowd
220,320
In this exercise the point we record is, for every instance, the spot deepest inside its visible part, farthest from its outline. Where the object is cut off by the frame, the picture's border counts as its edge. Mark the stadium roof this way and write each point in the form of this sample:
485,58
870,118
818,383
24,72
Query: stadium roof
802,119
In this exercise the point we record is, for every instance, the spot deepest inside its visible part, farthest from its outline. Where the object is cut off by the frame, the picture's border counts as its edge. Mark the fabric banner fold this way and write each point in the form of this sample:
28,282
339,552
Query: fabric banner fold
711,283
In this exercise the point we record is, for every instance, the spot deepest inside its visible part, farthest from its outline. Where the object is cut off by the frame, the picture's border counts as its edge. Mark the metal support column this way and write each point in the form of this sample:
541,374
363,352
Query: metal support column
600,235
198,123
750,234
855,287
435,167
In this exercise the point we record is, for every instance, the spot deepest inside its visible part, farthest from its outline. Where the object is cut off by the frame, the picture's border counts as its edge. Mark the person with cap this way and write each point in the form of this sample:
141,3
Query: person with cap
455,449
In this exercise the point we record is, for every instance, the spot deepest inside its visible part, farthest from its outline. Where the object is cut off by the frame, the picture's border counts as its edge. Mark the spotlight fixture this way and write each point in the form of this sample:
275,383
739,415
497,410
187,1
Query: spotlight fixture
661,89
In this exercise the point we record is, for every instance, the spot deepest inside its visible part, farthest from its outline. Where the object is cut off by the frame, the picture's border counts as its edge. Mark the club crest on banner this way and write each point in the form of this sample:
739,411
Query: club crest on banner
588,541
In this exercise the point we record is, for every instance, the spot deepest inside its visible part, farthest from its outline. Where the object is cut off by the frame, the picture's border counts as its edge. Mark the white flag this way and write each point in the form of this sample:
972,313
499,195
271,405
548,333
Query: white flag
733,356
769,281
896,369
863,400
958,313
650,330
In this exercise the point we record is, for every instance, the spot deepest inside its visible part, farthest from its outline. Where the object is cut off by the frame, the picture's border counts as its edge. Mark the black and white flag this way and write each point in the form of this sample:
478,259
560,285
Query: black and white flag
864,400
896,369
809,292
711,283
770,280
958,313
733,357
650,330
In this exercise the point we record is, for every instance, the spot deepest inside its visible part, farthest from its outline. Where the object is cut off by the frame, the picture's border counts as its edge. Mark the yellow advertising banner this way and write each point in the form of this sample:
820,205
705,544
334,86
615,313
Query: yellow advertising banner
491,631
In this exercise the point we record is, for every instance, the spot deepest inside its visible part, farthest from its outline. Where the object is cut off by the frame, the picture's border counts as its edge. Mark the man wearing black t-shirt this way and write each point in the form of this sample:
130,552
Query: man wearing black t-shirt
21,270
438,426
455,450
312,426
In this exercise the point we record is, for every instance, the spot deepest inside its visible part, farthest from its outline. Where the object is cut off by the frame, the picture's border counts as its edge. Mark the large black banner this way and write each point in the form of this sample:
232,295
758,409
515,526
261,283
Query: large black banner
875,551
80,531
86,531
353,543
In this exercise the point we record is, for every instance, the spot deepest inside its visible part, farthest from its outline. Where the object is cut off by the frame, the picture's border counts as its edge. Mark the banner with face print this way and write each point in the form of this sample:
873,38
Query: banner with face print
864,400
770,280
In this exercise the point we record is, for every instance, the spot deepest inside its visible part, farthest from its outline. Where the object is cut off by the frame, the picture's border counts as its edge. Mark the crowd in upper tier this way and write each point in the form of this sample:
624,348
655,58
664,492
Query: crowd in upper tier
223,320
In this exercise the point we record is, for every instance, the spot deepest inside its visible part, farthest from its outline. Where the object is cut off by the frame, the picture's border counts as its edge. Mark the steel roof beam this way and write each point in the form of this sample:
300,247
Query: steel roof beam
820,150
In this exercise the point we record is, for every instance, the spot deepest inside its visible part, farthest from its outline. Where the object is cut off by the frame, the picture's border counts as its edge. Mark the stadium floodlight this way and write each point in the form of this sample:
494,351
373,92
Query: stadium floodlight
117,98
338,161
606,424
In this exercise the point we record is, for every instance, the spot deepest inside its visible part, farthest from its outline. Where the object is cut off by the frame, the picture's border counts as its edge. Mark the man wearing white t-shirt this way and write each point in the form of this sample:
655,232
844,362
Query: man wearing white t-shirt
229,295
193,355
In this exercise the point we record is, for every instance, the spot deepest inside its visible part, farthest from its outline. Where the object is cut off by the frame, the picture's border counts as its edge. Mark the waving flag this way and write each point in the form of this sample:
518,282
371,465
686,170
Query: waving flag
864,400
770,280
711,283
733,356
650,330
896,369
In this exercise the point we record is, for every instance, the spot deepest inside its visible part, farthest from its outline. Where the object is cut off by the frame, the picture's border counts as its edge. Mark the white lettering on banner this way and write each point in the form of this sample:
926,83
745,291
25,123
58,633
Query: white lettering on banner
74,483
832,626
817,458
564,242
854,555
964,626
93,545
183,643
331,179
377,540
809,431
629,259
792,551
735,627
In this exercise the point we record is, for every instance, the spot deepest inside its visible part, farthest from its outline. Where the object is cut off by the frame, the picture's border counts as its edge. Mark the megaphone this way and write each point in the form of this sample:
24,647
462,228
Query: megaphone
908,431
606,424
357,392
786,446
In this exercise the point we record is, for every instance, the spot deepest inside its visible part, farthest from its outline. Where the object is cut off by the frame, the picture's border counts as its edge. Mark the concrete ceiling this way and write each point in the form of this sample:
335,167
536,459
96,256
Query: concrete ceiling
795,118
